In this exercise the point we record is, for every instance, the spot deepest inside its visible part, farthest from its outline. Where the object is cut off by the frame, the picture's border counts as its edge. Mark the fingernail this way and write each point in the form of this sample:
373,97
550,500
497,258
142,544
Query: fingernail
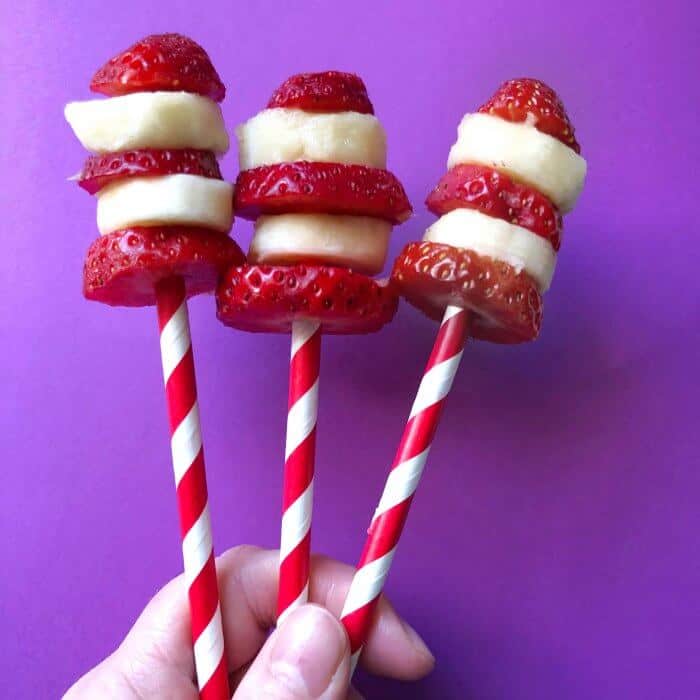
420,646
308,651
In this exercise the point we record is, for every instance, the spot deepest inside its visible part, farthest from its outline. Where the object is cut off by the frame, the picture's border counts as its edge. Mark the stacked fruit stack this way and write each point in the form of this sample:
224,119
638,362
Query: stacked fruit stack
164,213
162,207
313,177
481,268
514,168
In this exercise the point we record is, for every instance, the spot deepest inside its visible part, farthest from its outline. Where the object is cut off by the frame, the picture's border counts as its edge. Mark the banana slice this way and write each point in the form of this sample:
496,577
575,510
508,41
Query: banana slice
357,242
148,120
499,239
284,135
189,200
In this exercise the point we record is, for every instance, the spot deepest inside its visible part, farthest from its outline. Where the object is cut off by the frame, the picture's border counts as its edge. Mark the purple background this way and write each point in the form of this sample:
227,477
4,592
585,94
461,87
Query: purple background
552,551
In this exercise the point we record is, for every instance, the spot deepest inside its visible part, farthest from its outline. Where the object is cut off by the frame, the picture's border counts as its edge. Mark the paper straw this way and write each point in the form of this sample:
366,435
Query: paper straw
191,485
391,513
297,507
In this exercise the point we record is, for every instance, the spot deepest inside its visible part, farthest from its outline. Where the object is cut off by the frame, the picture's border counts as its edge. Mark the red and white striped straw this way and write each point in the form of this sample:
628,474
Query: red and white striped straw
191,484
391,513
297,506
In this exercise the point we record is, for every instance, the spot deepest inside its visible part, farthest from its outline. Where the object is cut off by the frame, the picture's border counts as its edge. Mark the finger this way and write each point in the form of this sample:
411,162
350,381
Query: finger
114,679
235,678
306,658
160,638
161,635
248,580
393,648
354,694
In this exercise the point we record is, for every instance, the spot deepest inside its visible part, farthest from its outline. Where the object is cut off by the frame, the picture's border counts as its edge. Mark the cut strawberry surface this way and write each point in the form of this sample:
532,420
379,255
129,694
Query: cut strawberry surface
330,91
123,268
169,62
495,194
328,188
102,169
506,305
527,99
268,298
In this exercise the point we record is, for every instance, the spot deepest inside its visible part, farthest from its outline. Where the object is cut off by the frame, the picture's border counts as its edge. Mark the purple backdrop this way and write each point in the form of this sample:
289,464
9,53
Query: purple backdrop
552,550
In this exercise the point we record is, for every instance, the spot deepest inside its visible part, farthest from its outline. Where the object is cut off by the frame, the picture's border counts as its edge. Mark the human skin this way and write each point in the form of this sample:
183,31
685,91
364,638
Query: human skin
306,658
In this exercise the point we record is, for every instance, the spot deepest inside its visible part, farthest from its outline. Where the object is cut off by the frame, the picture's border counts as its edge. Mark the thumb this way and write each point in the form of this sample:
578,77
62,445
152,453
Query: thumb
306,658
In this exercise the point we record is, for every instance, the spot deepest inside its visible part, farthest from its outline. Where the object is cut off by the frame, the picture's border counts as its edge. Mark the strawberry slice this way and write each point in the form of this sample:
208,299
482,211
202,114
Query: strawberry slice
169,62
100,170
331,91
268,298
527,99
506,306
123,268
495,194
328,188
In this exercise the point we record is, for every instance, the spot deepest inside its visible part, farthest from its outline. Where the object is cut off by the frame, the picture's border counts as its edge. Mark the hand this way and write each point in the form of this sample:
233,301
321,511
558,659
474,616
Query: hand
307,657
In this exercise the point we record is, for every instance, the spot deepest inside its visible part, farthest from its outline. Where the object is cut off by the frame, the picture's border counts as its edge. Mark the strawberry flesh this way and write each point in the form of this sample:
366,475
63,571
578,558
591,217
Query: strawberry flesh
506,306
495,194
123,268
102,169
169,62
330,188
330,91
527,99
269,298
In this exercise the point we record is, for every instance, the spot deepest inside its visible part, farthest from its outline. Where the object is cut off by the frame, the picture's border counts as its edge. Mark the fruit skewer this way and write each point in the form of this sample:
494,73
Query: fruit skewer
481,268
313,178
164,213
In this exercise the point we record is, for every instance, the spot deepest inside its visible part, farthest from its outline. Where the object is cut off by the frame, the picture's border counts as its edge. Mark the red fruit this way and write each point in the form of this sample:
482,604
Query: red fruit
268,298
169,62
331,91
123,268
517,99
100,170
506,306
493,193
330,188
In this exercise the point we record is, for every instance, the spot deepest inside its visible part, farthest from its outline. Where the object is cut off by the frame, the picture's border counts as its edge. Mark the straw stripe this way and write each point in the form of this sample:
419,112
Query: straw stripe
401,482
435,385
367,583
197,546
301,419
186,443
296,522
209,647
302,598
174,341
